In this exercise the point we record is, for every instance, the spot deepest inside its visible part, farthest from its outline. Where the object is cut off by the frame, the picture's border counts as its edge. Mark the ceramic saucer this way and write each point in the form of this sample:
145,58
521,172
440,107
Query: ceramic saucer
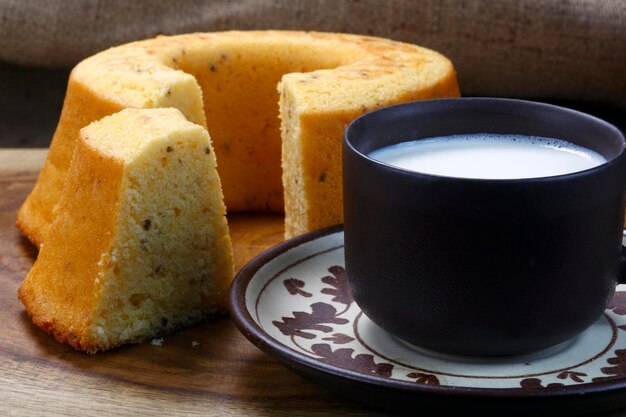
293,302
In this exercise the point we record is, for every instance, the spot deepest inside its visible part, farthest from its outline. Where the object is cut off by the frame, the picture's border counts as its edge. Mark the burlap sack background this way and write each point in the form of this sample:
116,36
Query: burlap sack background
572,49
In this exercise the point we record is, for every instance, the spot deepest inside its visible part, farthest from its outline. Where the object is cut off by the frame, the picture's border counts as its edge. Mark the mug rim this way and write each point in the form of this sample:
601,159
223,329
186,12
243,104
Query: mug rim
468,101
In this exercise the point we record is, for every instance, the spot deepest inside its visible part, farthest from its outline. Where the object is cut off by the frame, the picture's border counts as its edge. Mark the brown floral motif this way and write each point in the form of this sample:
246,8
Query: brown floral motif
320,315
619,368
573,375
339,338
422,378
534,383
339,282
294,286
363,363
618,303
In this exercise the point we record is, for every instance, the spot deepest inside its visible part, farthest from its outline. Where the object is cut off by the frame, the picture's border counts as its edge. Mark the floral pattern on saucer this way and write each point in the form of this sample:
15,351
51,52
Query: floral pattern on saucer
301,299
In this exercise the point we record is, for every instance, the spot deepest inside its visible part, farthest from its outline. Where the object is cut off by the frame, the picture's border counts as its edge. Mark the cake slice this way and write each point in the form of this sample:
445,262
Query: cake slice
139,245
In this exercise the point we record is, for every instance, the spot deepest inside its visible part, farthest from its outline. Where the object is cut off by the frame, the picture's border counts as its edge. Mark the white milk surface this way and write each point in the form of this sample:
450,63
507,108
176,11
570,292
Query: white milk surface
490,156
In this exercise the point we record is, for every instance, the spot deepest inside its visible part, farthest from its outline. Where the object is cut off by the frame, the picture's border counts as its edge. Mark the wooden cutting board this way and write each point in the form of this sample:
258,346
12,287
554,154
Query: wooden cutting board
225,375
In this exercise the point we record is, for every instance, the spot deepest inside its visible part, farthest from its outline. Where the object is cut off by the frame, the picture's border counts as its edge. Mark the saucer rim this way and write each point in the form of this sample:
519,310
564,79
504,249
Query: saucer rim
292,358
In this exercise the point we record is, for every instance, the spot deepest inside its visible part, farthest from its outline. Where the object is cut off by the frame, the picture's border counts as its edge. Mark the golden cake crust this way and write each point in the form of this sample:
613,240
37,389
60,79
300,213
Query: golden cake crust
59,292
227,82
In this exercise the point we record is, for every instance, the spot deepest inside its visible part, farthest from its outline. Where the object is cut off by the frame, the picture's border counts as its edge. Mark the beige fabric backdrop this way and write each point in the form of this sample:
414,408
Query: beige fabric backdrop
565,49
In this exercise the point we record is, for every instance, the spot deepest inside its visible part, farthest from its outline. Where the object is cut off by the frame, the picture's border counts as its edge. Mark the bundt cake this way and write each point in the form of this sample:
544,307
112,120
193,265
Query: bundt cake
227,82
139,245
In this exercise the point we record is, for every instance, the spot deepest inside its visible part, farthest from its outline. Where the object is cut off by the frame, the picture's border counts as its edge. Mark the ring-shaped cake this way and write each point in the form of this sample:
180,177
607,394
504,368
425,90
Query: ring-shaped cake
227,82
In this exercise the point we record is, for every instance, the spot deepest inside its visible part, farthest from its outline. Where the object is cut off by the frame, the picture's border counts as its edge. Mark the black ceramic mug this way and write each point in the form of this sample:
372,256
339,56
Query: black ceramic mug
482,267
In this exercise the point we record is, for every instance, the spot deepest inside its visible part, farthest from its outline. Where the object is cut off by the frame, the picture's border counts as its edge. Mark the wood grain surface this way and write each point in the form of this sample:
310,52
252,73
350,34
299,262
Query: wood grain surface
224,375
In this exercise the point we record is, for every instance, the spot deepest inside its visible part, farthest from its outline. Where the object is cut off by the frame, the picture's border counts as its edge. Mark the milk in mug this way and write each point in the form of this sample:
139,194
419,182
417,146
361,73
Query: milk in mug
489,156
